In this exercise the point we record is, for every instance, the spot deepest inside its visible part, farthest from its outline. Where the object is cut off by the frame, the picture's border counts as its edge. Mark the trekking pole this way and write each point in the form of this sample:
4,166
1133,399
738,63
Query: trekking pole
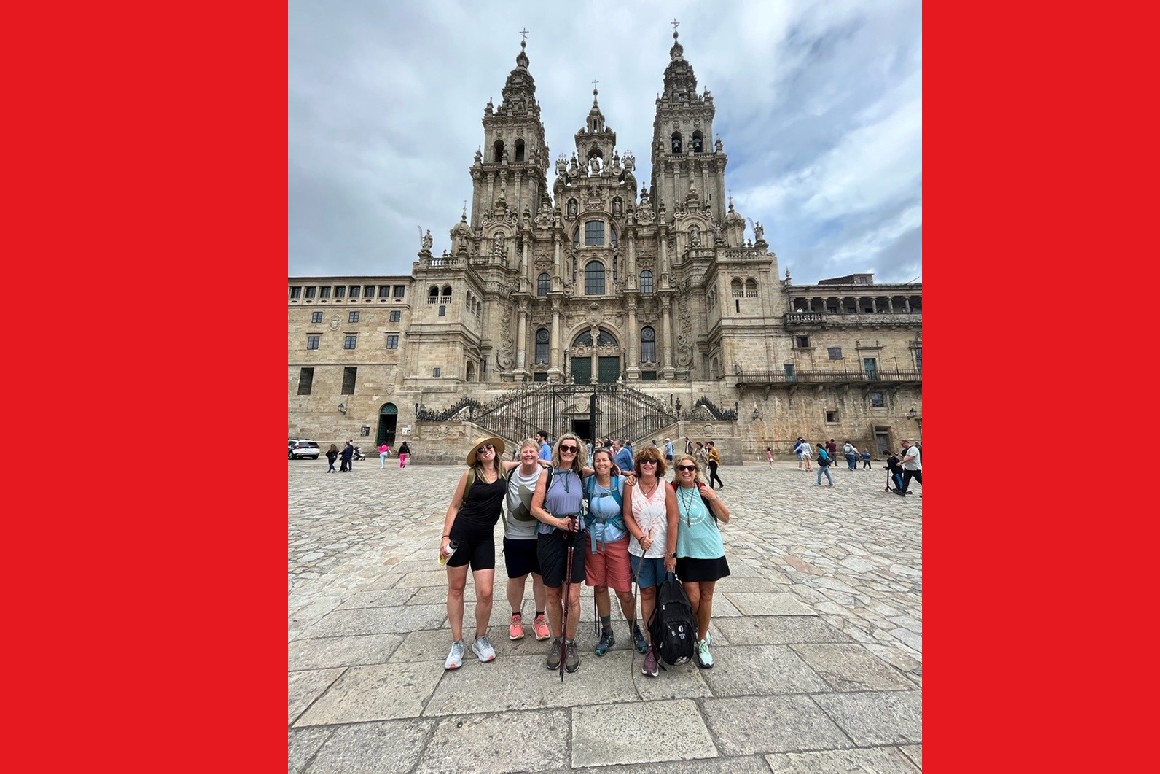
571,540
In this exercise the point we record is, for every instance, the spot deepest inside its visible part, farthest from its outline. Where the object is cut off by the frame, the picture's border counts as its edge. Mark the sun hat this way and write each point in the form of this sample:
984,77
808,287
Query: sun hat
493,440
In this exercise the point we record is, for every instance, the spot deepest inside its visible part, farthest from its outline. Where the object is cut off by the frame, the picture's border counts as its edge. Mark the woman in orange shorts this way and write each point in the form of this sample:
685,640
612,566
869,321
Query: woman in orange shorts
606,564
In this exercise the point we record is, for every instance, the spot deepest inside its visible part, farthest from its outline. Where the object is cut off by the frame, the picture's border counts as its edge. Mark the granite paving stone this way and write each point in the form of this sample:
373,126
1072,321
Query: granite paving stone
499,742
876,718
880,760
376,692
371,748
763,724
601,736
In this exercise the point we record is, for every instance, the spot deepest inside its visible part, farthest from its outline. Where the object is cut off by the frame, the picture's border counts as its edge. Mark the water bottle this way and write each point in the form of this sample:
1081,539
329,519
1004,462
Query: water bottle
445,555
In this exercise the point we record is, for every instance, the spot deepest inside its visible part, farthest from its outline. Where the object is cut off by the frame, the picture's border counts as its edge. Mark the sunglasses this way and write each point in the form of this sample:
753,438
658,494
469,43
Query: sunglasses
686,467
648,462
483,446
568,449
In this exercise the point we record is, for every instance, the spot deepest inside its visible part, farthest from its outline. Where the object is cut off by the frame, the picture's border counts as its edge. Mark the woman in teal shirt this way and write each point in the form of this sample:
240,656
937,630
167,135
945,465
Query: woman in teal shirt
700,551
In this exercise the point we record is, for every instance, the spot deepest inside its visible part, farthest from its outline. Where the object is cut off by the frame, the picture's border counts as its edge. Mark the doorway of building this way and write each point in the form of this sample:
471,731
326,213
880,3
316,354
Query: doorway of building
882,440
388,420
609,369
583,430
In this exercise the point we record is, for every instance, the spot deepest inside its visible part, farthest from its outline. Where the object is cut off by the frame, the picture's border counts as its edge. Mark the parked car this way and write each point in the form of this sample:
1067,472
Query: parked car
298,449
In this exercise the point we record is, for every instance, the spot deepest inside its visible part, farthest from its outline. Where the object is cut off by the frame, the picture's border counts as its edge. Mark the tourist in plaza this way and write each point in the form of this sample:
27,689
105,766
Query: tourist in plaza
824,460
622,456
404,454
688,445
769,455
799,452
669,451
562,526
331,456
851,454
911,466
519,543
700,551
650,515
866,460
384,452
714,463
545,449
893,464
606,564
347,456
470,525
832,449
807,455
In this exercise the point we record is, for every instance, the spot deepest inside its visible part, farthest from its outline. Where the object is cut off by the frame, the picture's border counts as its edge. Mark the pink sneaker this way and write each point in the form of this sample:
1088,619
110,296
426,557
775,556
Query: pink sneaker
516,629
540,627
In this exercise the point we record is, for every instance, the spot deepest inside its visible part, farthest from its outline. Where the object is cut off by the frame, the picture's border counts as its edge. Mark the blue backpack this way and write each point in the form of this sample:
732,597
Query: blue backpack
600,520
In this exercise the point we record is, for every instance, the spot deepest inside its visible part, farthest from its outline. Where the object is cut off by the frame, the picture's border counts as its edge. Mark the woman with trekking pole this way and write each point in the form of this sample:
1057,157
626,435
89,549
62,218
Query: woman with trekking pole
650,515
558,508
700,551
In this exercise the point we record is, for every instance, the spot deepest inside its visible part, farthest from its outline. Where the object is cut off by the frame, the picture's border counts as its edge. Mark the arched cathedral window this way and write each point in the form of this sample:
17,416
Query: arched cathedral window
676,142
594,278
542,339
646,283
543,284
519,150
648,345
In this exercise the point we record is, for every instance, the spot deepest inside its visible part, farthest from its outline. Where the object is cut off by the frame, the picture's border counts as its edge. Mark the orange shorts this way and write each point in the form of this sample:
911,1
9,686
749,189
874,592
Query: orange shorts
609,566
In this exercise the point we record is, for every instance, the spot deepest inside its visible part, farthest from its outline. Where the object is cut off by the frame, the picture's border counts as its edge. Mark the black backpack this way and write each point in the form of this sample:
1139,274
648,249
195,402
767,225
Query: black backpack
671,626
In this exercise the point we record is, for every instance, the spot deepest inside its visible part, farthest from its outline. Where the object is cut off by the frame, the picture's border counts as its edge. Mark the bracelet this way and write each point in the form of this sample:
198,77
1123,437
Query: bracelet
447,535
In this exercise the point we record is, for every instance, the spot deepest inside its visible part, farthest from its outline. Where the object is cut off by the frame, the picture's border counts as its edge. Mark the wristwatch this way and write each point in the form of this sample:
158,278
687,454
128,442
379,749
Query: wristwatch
673,555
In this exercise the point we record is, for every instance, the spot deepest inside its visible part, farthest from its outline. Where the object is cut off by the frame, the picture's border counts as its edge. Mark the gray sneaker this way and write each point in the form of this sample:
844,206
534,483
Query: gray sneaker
455,657
572,660
482,648
553,662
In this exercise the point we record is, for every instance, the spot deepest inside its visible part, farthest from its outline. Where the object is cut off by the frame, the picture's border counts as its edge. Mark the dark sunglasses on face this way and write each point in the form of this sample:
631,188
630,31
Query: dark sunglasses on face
648,462
686,467
568,448
483,446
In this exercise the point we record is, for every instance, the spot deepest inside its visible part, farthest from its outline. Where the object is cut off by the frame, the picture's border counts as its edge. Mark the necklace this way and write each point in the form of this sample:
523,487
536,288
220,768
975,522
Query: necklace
687,498
648,493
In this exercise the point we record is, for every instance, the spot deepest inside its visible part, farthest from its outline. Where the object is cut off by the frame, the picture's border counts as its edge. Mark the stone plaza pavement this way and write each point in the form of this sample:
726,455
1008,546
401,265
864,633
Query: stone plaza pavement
817,641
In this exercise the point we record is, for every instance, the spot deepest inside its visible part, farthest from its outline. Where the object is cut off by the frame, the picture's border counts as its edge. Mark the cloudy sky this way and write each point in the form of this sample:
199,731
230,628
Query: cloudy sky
819,108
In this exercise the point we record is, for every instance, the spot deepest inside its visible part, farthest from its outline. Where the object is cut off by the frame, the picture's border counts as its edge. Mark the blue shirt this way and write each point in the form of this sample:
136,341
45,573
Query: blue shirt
545,452
624,459
563,498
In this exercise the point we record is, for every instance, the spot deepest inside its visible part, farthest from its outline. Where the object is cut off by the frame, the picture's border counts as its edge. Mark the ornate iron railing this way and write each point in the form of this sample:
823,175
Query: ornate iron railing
620,411
750,378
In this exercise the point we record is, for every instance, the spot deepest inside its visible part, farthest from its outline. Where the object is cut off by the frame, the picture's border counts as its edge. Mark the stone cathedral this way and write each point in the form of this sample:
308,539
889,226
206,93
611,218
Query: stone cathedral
605,305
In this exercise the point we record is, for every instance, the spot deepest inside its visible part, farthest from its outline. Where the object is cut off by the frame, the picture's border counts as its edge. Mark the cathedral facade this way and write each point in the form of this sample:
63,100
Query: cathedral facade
655,292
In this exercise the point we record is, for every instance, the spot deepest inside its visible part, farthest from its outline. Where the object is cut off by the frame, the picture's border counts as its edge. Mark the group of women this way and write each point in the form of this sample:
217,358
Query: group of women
621,527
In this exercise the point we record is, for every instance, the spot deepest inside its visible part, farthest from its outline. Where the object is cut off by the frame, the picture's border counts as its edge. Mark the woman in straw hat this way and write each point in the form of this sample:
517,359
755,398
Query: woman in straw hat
470,524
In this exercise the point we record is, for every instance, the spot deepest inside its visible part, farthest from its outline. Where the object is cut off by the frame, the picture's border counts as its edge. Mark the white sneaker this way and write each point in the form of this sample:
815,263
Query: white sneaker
455,657
483,649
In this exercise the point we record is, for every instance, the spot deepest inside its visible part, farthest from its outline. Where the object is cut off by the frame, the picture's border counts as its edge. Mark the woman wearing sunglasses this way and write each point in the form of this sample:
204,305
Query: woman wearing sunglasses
562,524
470,524
650,515
700,554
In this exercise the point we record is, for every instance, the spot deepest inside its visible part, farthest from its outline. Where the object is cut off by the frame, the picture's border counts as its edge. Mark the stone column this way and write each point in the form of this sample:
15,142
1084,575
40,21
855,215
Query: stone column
631,354
522,337
595,360
554,369
666,341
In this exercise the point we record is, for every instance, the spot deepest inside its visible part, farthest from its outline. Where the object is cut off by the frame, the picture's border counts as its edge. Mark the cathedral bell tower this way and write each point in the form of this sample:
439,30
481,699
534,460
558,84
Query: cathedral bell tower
509,175
684,154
